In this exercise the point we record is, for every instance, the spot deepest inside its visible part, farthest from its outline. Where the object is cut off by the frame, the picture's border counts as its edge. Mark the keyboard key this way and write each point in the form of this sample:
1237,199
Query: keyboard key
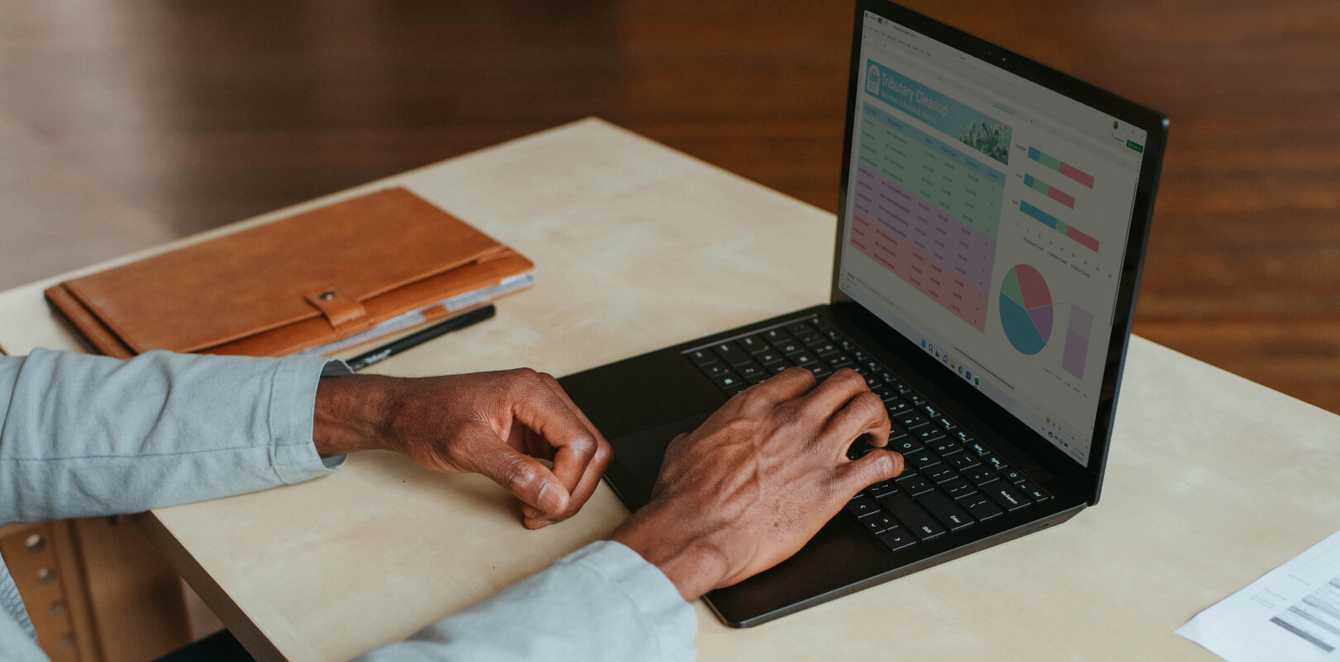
841,361
826,349
898,407
980,507
905,445
775,368
802,359
929,433
958,488
798,329
729,381
863,507
1014,476
912,420
730,353
916,398
945,510
715,369
940,473
878,523
881,488
914,484
961,460
943,447
775,336
977,448
896,538
759,378
994,462
979,475
921,459
767,357
702,357
1005,495
962,436
923,526
884,393
820,370
931,411
754,344
1033,491
789,346
946,424
812,340
749,369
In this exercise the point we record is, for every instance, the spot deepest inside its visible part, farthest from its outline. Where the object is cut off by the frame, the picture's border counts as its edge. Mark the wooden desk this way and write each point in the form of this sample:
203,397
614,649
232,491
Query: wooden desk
637,247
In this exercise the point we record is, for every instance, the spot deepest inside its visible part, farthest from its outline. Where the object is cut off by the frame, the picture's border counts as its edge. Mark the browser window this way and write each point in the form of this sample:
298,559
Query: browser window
986,219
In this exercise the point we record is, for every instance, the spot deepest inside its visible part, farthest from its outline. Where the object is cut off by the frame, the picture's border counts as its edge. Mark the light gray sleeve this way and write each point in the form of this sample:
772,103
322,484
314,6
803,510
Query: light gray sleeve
87,435
602,602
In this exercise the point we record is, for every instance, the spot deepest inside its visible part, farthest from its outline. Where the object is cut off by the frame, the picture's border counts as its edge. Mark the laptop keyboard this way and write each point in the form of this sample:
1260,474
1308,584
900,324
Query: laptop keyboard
952,480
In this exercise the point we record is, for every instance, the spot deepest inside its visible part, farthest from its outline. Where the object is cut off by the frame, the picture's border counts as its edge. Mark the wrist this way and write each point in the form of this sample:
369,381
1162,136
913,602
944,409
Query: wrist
692,563
353,413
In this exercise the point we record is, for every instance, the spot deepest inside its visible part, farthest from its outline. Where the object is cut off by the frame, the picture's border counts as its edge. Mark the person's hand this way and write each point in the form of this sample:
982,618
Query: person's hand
517,427
758,479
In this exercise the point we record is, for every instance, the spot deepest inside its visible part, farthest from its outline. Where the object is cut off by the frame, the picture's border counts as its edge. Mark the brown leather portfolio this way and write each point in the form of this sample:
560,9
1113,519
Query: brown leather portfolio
322,280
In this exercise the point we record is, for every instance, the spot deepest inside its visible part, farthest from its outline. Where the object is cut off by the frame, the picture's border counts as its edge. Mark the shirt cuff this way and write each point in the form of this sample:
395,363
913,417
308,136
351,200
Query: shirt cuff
292,412
648,591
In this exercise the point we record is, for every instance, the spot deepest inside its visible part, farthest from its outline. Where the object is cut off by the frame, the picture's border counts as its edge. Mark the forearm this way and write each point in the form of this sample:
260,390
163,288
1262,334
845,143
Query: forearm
602,602
85,435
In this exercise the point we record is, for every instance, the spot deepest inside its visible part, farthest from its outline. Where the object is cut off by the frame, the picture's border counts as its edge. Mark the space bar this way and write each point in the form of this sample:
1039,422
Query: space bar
912,516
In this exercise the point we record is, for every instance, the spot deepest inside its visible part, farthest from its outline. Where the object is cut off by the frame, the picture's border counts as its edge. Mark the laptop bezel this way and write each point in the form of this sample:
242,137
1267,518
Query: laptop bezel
1156,126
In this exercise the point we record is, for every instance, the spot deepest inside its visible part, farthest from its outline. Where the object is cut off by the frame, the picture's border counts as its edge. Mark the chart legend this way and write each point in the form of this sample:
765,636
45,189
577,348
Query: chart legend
1026,309
1077,341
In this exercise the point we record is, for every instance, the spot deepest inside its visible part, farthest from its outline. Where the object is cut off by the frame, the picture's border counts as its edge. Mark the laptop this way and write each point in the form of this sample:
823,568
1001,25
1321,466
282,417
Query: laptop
992,221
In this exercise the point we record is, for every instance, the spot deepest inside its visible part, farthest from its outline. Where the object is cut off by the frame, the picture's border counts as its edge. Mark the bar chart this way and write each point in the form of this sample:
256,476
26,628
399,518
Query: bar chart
1081,238
1060,166
1050,191
1076,350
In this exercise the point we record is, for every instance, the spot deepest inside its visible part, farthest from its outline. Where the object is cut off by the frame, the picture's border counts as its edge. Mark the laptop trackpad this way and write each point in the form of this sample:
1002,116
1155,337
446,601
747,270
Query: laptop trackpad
637,459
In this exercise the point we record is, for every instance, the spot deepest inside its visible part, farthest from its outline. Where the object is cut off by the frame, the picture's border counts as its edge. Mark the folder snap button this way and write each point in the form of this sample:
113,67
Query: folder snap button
327,295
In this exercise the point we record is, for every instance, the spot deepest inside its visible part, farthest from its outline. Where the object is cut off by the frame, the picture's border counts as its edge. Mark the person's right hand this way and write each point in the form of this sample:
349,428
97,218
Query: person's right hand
758,479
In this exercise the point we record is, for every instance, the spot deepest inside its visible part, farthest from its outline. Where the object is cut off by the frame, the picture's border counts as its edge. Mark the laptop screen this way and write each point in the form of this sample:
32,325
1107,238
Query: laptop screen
986,220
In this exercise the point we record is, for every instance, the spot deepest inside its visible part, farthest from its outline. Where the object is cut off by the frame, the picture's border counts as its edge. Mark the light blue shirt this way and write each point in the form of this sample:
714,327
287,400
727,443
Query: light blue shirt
84,436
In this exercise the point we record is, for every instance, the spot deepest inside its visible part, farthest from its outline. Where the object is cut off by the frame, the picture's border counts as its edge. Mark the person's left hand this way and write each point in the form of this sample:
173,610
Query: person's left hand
517,427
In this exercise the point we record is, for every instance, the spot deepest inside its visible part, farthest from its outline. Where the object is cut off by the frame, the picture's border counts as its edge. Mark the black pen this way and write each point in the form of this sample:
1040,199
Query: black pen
420,337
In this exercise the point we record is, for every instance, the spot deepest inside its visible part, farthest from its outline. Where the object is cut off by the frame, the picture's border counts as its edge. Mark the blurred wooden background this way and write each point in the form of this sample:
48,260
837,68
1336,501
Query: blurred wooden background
124,124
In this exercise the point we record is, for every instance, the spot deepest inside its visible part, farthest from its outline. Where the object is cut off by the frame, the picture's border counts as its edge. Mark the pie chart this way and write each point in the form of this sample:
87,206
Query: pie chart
1026,309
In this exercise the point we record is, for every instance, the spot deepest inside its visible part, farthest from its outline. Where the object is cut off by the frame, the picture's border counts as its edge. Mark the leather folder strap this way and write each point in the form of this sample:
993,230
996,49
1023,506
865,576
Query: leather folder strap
342,312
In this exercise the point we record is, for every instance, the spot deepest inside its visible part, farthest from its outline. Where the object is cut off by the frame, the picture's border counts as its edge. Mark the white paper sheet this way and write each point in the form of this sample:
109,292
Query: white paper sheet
1292,613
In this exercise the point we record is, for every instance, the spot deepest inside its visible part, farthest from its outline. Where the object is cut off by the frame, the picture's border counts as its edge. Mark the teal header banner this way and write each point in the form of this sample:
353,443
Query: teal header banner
959,120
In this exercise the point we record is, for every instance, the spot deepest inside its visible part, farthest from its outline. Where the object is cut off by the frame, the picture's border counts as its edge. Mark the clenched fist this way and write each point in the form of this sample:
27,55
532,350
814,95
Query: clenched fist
517,427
